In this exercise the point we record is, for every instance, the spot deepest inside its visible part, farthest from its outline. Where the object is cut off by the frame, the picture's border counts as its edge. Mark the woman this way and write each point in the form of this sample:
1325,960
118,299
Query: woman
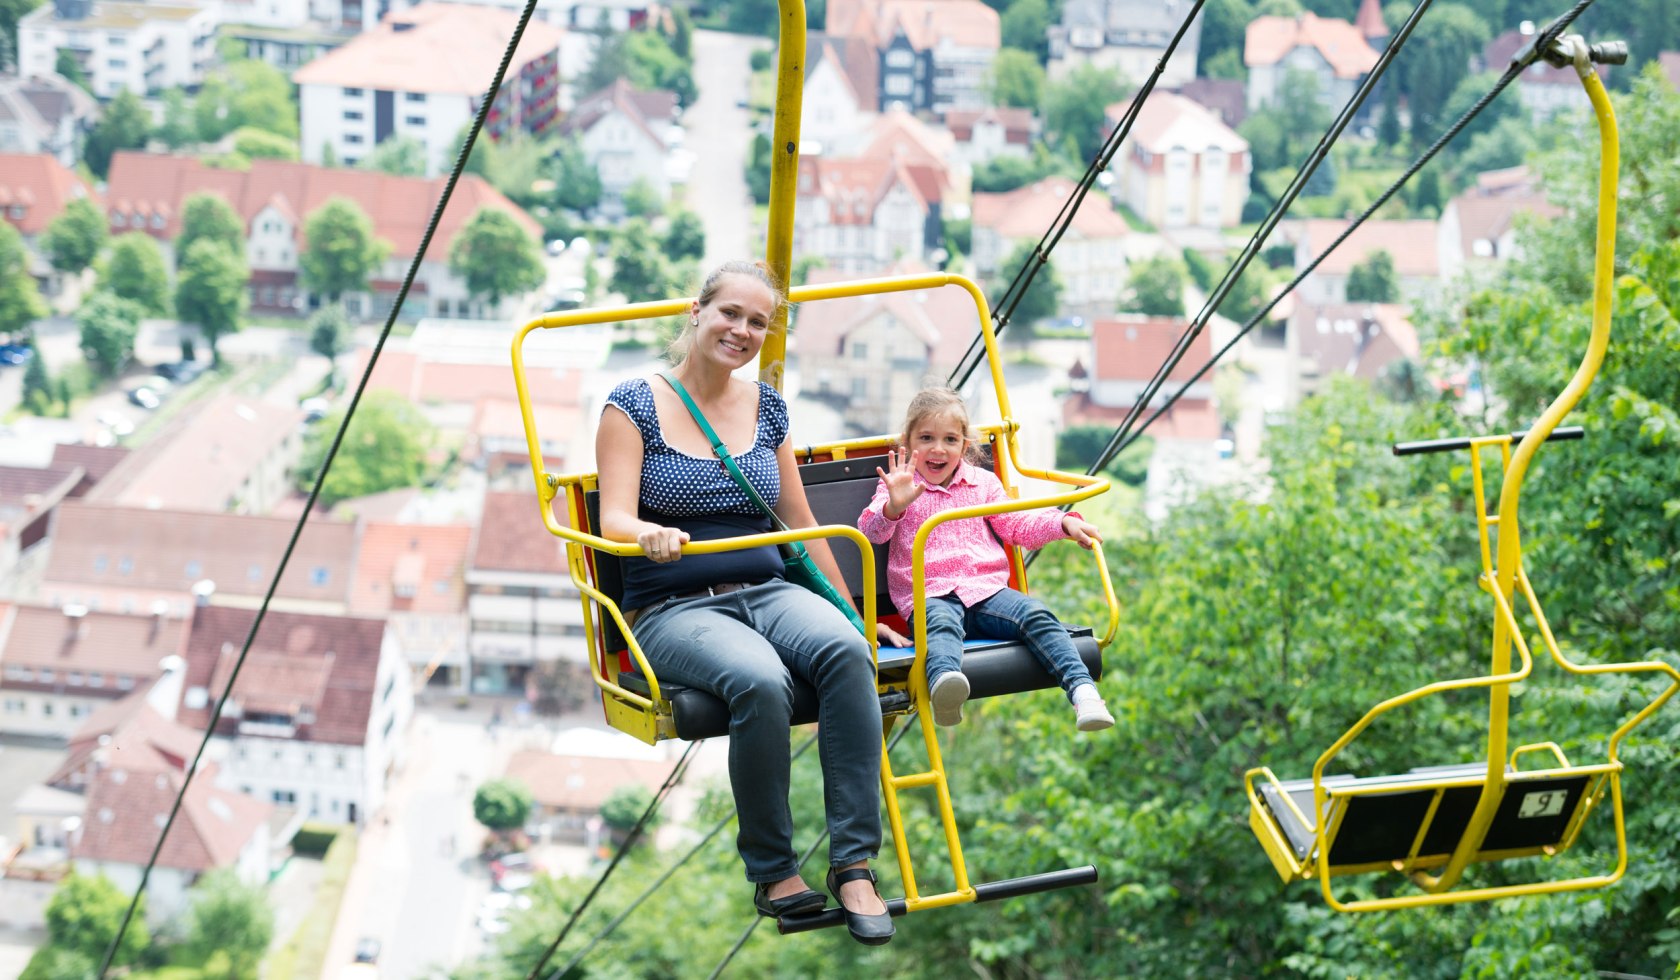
727,623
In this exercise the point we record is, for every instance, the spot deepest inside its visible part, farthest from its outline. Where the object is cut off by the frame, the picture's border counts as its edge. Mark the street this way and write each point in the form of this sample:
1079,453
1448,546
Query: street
720,132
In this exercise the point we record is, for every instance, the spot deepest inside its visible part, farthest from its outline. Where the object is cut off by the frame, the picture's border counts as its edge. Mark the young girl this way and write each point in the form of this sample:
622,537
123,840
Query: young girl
967,569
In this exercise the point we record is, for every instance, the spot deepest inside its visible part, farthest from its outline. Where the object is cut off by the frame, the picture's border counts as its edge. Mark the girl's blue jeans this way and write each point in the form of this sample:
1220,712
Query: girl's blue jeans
1008,615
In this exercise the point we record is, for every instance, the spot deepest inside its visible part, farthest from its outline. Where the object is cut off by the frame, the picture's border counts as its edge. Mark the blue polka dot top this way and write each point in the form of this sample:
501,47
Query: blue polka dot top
678,485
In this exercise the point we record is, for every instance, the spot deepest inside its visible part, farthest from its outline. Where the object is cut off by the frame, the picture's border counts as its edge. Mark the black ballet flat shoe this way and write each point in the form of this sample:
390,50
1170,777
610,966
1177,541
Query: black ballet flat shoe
799,903
871,930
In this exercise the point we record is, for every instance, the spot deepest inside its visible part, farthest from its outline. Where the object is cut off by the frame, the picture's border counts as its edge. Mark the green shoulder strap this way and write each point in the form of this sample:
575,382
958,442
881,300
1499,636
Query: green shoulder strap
721,451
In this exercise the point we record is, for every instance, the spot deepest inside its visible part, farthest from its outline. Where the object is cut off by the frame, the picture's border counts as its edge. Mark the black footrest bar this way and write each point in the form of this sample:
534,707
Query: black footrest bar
990,891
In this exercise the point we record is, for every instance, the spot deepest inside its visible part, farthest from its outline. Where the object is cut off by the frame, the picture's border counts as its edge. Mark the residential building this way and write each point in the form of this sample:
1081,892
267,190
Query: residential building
626,136
125,768
28,495
1479,227
35,188
318,717
935,54
1125,37
414,575
58,666
1226,98
1334,52
121,46
235,454
1126,351
45,113
275,198
95,462
1180,166
1413,245
1543,90
1090,260
842,92
569,790
420,74
1362,340
524,610
861,214
128,559
496,441
869,354
981,135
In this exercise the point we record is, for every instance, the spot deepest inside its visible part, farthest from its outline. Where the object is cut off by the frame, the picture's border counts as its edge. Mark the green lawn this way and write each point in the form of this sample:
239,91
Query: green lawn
305,953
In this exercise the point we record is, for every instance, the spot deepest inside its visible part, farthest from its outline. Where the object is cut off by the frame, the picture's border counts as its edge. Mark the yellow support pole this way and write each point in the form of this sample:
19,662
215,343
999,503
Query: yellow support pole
784,178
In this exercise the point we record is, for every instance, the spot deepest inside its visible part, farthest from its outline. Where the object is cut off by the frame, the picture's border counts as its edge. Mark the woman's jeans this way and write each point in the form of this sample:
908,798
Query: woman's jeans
1008,615
746,647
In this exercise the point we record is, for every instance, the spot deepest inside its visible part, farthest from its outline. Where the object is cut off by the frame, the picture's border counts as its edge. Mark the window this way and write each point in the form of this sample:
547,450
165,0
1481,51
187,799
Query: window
118,219
900,58
47,675
95,679
352,115
100,562
116,64
896,84
353,92
194,569
158,221
415,120
414,97
285,797
352,137
17,211
125,566
319,575
860,352
73,678
125,683
46,709
338,760
254,573
16,706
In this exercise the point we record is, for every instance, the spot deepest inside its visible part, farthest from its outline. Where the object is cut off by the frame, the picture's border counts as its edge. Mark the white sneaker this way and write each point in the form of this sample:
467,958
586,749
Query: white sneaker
948,692
1093,713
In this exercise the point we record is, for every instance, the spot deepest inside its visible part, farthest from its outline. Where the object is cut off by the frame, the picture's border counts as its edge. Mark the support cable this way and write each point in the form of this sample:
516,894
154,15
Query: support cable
671,780
1023,280
1520,62
320,480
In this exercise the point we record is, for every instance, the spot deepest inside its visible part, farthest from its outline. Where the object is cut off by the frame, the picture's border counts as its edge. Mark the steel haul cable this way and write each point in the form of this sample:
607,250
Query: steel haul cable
320,480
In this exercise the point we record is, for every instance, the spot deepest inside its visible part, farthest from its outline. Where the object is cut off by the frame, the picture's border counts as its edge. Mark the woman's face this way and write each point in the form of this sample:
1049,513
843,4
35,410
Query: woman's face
730,329
938,442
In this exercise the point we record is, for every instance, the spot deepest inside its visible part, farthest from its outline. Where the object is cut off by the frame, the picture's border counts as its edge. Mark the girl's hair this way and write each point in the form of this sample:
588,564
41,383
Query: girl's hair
937,401
709,289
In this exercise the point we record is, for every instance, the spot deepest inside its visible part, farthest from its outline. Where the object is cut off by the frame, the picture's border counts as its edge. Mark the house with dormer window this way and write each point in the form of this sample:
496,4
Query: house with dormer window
59,666
935,55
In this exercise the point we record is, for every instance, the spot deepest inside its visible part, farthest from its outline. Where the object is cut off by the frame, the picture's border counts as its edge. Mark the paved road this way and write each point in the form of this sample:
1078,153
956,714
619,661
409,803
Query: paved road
720,133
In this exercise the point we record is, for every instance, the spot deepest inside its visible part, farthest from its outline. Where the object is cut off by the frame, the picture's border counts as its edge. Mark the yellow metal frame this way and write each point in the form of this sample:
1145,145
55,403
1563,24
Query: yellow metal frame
648,717
1502,577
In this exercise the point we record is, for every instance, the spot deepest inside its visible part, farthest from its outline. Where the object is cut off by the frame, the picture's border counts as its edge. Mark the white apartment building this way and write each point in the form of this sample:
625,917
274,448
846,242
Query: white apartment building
133,47
522,607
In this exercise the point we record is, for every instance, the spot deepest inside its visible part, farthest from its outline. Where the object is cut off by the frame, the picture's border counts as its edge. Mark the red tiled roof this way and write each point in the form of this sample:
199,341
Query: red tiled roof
1168,121
579,783
929,23
942,319
326,666
40,183
643,109
1413,244
420,380
112,644
434,47
126,812
856,61
400,207
1370,20
170,550
96,461
1270,39
1360,339
1025,212
416,558
1131,347
203,459
126,734
1188,420
19,483
511,537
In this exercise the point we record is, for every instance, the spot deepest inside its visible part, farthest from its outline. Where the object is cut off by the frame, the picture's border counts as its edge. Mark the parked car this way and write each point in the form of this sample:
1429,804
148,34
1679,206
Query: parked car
179,372
498,904
144,397
314,409
117,422
515,881
367,950
15,353
516,861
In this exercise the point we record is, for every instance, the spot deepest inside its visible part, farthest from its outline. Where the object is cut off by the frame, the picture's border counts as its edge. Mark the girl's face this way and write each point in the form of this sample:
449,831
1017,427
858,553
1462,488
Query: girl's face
938,442
730,329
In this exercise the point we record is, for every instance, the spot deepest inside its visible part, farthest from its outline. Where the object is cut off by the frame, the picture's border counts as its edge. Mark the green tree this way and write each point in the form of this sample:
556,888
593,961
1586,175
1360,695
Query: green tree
1388,124
1079,446
400,156
1040,302
1285,130
260,144
758,169
639,270
1006,173
328,331
1374,280
653,65
519,164
52,963
641,200
1437,60
37,385
502,804
229,923
20,299
340,251
385,448
210,291
67,64
135,269
1157,287
1017,79
11,11
208,216
1025,27
577,185
109,325
624,806
686,238
1224,31
1074,107
178,128
245,93
124,126
496,257
83,916
74,238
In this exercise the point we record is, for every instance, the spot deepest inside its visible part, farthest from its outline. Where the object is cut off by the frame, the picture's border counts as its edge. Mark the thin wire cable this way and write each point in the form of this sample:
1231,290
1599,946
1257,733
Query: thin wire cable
610,927
1024,276
1249,251
1518,65
748,931
672,778
320,480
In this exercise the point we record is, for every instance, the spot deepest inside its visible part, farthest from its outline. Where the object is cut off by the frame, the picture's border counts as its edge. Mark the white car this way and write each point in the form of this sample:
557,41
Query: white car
117,422
492,926
498,903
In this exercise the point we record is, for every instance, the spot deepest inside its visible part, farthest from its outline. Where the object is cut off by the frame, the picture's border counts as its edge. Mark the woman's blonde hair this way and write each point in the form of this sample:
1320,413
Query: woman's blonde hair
709,289
938,401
